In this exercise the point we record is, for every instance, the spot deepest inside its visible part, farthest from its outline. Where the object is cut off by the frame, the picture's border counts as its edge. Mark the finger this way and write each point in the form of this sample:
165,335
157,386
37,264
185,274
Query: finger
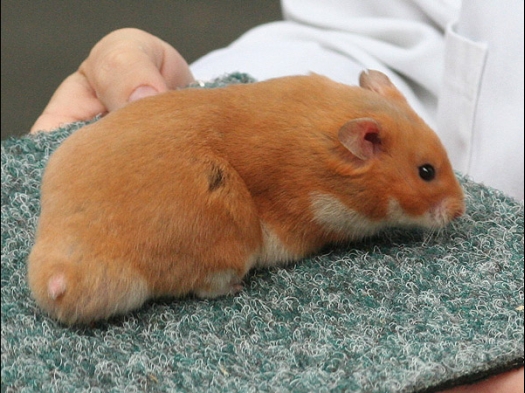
74,100
508,382
130,59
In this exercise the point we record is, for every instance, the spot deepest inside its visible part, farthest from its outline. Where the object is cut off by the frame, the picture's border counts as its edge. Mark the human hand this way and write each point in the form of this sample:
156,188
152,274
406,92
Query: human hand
508,382
126,65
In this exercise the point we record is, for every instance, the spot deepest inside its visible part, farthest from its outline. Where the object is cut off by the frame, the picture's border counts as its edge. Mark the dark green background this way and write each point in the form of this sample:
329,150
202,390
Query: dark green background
45,41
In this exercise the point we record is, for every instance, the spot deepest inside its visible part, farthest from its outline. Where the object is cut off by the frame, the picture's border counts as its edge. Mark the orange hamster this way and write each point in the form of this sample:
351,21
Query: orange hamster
186,191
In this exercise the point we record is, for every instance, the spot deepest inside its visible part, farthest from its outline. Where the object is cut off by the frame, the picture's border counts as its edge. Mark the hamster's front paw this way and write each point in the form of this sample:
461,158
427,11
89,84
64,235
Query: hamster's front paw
222,283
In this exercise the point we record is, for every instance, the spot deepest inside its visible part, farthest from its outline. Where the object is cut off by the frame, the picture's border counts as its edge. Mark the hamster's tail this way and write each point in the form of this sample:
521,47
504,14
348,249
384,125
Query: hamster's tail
56,286
87,292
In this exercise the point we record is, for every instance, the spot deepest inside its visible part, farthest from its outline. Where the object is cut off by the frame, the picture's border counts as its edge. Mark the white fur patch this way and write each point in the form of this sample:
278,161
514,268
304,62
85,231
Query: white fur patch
139,294
273,252
397,216
336,217
433,218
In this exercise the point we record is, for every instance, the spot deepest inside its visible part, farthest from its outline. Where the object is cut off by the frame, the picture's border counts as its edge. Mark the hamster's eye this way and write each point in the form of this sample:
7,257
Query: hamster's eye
427,172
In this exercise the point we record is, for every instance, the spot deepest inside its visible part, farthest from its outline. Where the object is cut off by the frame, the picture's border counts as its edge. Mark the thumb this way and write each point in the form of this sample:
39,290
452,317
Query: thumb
129,64
123,75
142,92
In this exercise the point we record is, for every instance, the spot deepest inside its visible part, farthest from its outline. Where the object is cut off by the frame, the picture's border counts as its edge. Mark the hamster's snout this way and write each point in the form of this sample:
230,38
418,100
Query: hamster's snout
458,212
448,210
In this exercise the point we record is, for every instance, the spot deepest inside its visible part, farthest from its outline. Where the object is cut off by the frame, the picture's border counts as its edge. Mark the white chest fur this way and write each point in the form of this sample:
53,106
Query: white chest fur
274,252
332,215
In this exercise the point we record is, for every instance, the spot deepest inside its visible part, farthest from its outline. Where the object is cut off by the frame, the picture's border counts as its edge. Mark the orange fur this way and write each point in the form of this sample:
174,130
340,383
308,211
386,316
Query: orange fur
186,191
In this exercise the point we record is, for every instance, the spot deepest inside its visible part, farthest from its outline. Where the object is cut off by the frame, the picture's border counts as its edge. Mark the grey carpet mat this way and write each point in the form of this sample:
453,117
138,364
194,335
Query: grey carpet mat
406,311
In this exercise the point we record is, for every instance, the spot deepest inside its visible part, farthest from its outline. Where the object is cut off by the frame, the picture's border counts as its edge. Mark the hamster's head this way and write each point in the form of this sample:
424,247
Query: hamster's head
401,170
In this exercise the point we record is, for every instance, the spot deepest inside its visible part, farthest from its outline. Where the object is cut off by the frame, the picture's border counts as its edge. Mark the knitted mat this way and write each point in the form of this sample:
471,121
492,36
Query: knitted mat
406,311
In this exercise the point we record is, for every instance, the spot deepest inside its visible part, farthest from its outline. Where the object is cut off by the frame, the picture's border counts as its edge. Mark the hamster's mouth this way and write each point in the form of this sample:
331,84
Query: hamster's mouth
447,211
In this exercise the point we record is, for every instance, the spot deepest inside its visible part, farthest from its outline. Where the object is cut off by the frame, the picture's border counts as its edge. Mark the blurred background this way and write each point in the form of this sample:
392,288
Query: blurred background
45,41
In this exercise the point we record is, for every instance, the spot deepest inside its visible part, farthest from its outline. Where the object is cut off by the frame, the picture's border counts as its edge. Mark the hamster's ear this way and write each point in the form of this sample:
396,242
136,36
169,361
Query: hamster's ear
378,82
361,137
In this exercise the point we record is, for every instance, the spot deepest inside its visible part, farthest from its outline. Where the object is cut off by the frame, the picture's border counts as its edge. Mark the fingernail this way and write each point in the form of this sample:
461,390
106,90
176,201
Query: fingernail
141,92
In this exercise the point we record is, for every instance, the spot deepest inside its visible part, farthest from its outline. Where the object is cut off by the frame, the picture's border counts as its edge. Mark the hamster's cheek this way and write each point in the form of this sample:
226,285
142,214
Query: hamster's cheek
436,216
336,217
398,216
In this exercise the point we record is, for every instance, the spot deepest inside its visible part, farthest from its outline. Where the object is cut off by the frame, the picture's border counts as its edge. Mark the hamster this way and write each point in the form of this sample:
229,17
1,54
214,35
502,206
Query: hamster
185,192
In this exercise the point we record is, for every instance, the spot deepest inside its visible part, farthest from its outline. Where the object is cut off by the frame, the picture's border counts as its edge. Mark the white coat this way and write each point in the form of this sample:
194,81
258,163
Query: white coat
460,65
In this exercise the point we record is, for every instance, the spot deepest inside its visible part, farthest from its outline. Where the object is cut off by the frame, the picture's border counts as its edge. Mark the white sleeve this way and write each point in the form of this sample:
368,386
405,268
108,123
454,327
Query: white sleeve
481,105
339,38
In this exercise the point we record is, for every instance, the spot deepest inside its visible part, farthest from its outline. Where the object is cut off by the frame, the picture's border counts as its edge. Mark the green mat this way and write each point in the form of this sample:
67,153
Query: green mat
406,311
